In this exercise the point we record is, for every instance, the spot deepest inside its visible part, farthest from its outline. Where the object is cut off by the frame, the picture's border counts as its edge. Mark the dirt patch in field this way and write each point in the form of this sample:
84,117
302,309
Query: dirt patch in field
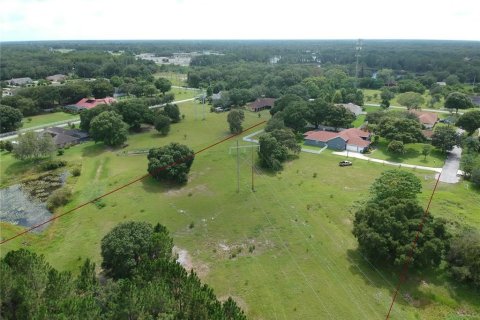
185,259
201,189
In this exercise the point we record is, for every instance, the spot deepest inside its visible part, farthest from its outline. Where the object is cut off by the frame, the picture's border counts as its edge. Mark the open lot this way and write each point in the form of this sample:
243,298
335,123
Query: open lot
413,155
284,252
47,118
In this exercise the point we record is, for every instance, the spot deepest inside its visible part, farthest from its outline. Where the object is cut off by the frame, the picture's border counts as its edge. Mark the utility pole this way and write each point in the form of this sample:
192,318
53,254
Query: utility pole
204,95
238,169
358,48
253,173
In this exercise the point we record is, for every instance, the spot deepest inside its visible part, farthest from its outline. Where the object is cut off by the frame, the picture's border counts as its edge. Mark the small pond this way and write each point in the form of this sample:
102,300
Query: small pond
24,204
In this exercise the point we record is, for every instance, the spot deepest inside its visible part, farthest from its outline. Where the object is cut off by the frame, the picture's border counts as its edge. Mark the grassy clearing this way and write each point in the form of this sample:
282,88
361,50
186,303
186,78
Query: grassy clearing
177,79
182,94
285,250
47,118
359,121
413,155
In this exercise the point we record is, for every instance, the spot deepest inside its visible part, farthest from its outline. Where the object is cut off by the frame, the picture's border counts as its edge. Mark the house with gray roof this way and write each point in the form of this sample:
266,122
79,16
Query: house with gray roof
20,81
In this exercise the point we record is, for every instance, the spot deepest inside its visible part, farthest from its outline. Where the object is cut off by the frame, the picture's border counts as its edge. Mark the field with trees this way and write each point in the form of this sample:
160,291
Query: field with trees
284,233
275,250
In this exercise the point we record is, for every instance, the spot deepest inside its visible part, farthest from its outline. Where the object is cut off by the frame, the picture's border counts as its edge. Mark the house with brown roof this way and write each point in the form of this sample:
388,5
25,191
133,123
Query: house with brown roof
350,139
262,104
428,119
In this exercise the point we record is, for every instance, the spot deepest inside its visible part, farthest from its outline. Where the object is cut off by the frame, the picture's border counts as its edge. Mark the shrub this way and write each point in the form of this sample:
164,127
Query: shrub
60,152
76,172
58,198
53,164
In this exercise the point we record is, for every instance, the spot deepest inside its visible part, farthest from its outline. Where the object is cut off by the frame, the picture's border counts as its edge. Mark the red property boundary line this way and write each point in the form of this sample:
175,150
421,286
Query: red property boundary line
126,185
403,273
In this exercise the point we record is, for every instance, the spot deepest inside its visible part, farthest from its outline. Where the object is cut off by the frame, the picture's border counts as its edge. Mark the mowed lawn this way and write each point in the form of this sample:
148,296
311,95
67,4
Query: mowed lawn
284,251
413,155
43,119
183,94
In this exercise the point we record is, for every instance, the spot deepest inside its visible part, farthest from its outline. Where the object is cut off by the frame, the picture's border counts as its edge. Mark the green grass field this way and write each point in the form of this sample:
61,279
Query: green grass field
177,79
413,155
284,251
182,94
47,118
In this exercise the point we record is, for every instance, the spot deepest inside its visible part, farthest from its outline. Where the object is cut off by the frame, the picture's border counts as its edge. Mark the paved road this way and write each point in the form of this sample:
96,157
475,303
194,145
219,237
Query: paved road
400,107
48,125
450,169
39,130
401,165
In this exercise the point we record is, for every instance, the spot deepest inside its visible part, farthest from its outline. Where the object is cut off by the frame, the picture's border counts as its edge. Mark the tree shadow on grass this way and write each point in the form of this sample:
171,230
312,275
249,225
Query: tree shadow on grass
151,185
420,287
94,150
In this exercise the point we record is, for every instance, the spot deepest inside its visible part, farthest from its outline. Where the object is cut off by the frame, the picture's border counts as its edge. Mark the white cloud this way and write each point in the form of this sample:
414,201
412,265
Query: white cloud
234,19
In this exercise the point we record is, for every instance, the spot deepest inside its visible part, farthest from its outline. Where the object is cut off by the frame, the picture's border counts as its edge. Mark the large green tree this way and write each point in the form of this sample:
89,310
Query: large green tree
272,152
133,112
464,257
317,112
86,116
172,111
171,162
339,117
33,145
109,127
128,243
10,119
444,138
235,118
162,124
294,116
400,129
411,100
470,121
458,100
396,183
386,228
102,88
163,85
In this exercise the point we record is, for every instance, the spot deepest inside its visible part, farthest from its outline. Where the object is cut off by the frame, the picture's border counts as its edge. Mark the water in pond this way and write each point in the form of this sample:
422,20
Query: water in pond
24,204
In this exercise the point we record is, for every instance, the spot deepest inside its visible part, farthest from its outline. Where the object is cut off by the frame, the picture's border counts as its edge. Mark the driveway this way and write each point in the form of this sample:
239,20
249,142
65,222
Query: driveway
450,169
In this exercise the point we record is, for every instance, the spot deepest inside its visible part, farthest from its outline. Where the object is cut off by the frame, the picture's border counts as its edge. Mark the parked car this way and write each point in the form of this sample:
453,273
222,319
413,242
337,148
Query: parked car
345,163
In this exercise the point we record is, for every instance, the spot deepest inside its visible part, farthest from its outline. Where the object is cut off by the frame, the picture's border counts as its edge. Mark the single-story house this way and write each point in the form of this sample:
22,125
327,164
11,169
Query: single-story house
428,119
57,78
64,137
20,81
350,139
357,110
89,103
262,104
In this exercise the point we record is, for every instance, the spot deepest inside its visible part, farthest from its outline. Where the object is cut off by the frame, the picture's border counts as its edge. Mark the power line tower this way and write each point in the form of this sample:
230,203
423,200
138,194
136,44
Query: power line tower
358,49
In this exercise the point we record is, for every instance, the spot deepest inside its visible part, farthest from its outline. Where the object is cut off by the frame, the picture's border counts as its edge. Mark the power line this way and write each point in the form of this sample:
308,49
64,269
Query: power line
127,184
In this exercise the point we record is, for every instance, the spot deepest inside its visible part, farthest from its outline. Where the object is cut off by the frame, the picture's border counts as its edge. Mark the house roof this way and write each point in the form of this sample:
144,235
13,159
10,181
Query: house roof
351,136
88,103
426,117
21,81
322,136
63,136
262,103
56,77
352,107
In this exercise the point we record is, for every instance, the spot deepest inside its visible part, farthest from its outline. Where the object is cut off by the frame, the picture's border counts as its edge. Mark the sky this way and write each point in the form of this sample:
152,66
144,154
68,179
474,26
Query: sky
23,20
